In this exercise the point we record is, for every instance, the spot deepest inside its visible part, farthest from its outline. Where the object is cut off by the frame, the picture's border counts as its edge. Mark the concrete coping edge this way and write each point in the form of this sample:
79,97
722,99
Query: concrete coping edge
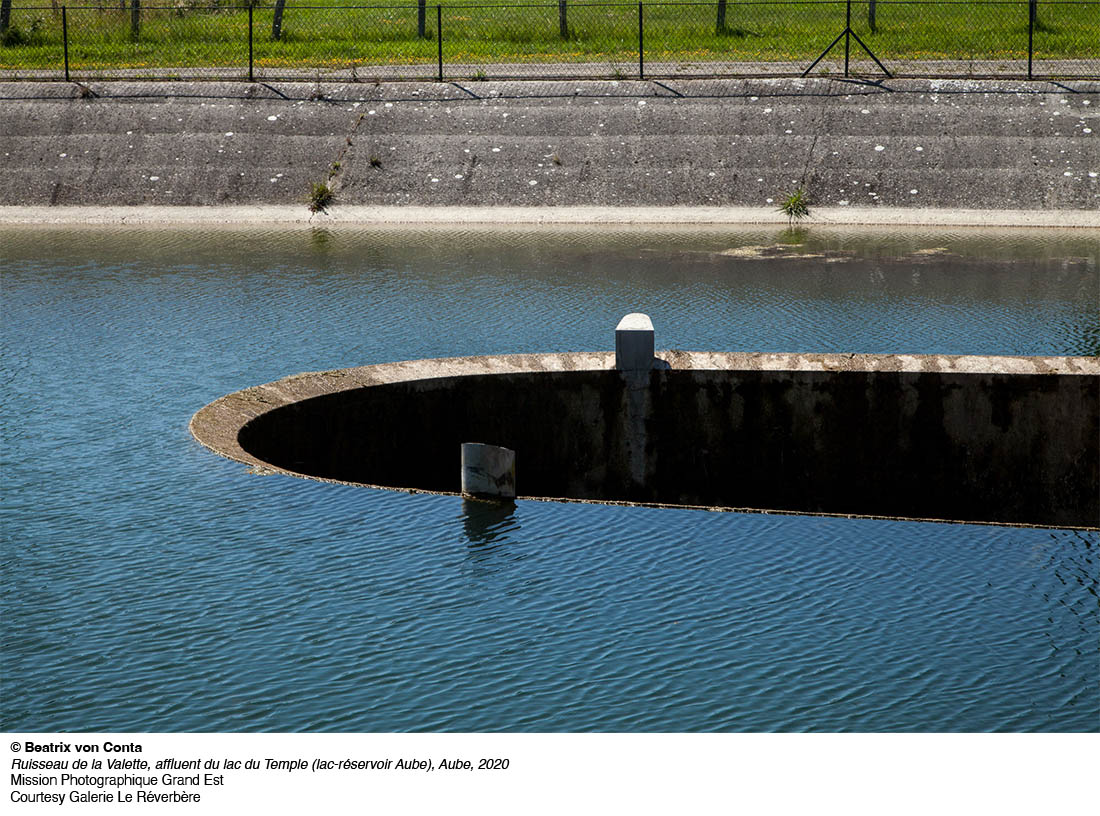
216,426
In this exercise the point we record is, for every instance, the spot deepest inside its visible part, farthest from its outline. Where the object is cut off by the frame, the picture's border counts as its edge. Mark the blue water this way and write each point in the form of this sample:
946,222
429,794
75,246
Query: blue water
149,585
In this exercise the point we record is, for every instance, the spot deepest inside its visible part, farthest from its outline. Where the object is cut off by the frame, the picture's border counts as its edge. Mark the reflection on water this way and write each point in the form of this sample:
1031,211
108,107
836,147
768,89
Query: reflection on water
148,585
794,235
486,521
321,240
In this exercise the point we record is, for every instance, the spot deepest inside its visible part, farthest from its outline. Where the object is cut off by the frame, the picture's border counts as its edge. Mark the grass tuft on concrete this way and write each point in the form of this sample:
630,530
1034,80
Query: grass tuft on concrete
796,206
320,198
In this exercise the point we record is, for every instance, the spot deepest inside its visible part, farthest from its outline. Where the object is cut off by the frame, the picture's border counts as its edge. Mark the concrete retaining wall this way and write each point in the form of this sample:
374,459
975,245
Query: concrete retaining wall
966,438
913,144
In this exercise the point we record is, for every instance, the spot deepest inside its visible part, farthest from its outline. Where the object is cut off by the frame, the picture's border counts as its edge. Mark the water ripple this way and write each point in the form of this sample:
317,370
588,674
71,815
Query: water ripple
148,585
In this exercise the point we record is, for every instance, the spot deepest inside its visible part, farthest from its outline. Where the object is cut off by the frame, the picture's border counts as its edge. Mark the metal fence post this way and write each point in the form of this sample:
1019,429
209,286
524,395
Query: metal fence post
65,37
641,42
250,42
439,38
847,36
277,20
1032,13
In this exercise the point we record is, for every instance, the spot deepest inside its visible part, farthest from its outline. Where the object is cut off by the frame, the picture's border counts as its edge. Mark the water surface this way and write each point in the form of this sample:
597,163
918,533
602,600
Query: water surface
149,585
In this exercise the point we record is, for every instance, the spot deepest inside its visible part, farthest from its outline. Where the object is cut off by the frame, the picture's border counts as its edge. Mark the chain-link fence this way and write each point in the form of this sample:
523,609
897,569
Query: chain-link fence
208,39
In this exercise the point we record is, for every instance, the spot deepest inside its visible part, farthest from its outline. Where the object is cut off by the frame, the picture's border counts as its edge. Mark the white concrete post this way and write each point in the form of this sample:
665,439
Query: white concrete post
488,471
634,343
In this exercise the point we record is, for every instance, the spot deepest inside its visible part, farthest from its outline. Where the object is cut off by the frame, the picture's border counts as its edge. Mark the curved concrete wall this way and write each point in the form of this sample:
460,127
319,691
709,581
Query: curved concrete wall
966,438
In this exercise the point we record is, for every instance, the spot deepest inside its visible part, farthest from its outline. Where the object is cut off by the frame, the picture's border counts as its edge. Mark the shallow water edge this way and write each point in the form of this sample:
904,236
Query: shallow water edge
414,215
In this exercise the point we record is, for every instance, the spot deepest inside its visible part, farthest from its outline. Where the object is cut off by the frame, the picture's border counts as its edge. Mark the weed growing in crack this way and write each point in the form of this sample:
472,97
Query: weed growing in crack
796,206
320,197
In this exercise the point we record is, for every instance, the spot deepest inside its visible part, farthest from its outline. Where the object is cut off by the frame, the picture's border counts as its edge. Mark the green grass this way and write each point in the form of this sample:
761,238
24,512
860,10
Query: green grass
796,206
342,35
320,198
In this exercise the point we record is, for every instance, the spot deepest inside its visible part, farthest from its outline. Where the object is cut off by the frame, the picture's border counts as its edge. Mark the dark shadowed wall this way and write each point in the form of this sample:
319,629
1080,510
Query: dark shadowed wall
980,447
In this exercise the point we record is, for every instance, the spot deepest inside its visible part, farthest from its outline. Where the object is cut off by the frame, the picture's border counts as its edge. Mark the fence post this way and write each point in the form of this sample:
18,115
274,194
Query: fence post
439,38
1032,13
65,37
250,42
421,13
563,22
720,25
641,42
135,19
847,35
277,20
871,15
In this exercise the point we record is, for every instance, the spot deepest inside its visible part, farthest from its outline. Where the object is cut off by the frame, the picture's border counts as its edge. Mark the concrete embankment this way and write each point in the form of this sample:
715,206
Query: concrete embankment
882,149
1002,439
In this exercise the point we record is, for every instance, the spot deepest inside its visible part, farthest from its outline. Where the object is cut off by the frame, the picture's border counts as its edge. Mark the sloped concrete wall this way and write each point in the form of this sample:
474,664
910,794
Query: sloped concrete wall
913,144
